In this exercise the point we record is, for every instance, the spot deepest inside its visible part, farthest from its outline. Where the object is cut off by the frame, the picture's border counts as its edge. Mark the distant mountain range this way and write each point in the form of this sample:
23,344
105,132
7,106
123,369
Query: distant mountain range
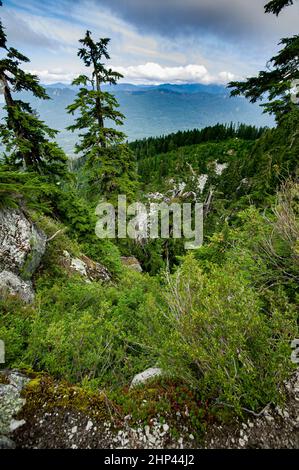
183,88
153,110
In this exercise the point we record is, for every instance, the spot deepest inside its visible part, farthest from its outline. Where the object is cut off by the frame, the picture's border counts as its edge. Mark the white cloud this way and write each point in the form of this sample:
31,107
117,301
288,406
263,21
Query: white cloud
226,77
52,76
154,73
140,56
149,73
62,34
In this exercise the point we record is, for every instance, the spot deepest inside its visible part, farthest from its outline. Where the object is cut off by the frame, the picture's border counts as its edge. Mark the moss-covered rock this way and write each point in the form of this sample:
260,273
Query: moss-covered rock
22,243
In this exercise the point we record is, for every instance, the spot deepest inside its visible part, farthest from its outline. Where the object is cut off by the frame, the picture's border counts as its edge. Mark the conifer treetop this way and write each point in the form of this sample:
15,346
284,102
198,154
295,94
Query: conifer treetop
275,6
26,138
276,82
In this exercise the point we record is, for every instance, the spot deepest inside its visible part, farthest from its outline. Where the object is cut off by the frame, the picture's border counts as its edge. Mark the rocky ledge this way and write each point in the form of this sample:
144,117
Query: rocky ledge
41,413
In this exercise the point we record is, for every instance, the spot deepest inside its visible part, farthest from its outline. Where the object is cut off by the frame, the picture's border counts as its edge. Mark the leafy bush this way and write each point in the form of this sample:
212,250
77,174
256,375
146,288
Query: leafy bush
80,219
81,331
221,341
16,320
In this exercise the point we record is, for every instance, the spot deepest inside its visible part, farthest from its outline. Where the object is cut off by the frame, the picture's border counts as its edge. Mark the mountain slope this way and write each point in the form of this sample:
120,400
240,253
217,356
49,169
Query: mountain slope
154,110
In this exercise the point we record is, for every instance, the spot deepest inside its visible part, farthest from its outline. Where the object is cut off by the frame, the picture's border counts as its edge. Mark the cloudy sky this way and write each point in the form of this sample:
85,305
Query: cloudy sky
152,41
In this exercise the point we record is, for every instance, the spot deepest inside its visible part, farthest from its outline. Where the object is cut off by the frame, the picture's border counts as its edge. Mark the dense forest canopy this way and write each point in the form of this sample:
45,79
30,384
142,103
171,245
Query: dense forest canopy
155,145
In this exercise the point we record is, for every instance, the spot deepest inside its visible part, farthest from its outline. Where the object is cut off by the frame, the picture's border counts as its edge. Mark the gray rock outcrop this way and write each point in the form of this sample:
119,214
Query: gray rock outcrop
12,284
86,267
22,246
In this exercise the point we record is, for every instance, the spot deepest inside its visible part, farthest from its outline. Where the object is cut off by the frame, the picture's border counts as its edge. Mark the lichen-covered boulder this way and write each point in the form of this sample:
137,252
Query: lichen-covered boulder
22,244
86,267
12,284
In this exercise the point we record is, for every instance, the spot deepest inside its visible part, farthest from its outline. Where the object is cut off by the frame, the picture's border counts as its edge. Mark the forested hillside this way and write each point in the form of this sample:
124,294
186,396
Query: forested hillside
184,108
82,317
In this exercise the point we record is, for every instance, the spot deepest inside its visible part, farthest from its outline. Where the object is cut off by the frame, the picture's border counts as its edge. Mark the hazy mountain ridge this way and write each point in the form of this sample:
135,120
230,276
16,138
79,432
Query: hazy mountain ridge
153,110
179,88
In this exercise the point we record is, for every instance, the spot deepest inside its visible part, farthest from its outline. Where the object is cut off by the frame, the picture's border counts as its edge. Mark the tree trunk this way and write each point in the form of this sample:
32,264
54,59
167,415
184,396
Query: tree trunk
99,105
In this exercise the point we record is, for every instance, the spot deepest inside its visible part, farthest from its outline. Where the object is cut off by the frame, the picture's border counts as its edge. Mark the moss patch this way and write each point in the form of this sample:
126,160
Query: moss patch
42,392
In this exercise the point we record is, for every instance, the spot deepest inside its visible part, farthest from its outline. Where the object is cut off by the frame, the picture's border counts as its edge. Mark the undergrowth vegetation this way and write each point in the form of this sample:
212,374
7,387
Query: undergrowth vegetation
220,325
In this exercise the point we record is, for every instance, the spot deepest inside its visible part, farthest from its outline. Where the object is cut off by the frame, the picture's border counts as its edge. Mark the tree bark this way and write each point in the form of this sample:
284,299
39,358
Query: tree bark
99,104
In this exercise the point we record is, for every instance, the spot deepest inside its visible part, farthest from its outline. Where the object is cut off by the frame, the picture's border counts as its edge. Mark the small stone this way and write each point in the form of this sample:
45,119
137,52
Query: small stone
165,427
269,418
15,424
89,425
146,375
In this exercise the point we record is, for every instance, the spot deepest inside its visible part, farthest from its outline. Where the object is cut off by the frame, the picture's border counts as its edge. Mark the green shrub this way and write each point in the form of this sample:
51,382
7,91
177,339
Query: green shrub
16,320
85,331
220,339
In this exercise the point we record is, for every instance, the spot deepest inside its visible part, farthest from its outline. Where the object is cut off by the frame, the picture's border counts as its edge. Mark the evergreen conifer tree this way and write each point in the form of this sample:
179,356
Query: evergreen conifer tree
275,83
109,163
27,139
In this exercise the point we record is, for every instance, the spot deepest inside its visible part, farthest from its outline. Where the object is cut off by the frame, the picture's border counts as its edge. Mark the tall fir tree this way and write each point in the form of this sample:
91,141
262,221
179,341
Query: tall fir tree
277,82
110,164
28,140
